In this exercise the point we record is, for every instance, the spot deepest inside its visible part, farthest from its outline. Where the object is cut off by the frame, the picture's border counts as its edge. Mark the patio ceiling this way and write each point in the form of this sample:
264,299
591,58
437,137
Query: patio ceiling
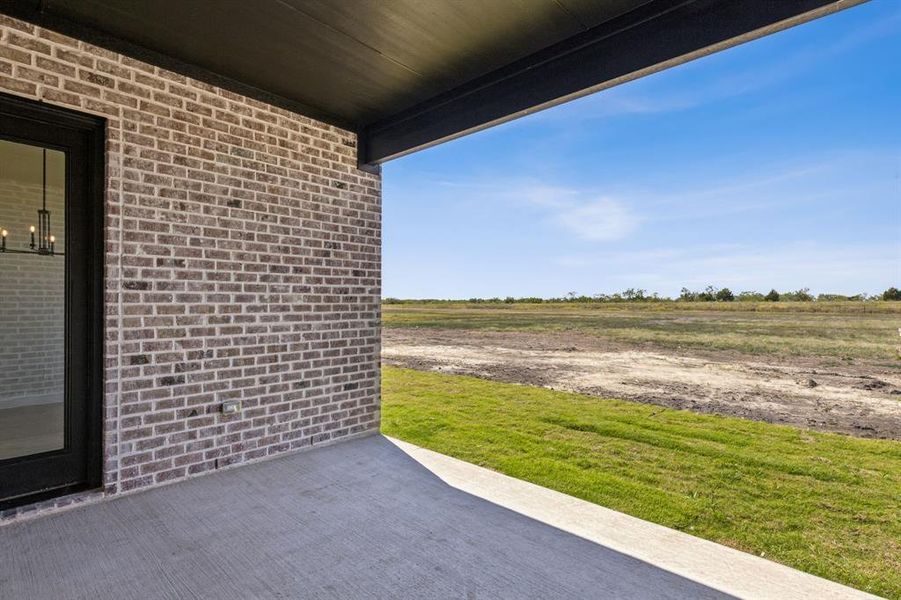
406,74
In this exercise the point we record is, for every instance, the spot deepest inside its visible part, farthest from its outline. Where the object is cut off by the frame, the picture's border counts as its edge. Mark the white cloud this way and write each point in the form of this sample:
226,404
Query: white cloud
553,197
578,211
602,220
518,191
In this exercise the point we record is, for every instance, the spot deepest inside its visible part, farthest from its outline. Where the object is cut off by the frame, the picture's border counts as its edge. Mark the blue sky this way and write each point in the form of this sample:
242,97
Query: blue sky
773,164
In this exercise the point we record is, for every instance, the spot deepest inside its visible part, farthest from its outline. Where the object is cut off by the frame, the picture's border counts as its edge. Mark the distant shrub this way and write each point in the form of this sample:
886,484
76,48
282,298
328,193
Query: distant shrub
750,297
802,295
710,294
686,295
725,295
772,296
892,293
832,298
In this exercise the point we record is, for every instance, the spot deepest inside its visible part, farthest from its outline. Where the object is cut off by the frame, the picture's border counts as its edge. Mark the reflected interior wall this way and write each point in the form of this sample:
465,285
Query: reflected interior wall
32,308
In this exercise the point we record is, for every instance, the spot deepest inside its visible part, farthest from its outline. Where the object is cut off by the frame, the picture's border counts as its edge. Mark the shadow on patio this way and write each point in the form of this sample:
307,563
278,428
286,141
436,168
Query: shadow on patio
361,519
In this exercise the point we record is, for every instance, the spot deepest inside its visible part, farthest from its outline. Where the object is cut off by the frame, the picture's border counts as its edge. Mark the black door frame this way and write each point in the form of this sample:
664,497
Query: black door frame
78,466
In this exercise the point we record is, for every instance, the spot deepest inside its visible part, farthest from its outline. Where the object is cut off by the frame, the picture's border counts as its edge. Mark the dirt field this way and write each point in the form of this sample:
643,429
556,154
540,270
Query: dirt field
830,392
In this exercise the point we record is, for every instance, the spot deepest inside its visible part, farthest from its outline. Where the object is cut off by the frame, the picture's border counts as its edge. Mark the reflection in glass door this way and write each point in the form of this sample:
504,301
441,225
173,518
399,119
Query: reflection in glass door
32,302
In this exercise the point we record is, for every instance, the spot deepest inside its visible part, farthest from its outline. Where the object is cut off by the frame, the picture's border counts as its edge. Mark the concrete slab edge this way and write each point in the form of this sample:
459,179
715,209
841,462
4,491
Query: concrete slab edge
725,569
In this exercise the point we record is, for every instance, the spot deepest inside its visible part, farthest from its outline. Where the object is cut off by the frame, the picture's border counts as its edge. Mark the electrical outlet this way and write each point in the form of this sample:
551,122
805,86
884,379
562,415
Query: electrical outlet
231,407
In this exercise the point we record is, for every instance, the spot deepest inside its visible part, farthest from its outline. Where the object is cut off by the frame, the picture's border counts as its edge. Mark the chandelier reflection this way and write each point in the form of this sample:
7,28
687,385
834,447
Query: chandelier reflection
42,239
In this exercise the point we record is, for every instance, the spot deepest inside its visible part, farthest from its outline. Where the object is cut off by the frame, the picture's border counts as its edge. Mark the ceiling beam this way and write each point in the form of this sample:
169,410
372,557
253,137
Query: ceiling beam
658,35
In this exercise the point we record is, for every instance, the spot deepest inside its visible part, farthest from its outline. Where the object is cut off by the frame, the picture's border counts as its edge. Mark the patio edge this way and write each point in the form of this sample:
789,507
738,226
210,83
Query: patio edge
719,567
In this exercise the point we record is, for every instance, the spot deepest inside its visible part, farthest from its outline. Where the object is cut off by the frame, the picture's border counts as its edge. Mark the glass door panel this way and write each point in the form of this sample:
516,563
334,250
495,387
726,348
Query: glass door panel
32,301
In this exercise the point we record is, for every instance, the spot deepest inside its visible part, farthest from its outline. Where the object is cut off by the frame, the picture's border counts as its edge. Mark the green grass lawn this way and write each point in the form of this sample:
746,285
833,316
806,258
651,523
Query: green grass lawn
841,330
823,503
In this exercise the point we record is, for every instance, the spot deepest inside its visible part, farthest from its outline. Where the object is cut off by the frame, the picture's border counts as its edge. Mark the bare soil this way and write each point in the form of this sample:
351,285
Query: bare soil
860,398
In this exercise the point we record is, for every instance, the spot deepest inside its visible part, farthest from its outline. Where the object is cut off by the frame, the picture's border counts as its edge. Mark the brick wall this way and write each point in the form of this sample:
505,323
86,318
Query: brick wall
242,262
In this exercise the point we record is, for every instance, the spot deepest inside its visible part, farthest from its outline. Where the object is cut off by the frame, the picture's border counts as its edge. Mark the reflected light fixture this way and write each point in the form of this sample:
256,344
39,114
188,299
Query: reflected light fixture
45,242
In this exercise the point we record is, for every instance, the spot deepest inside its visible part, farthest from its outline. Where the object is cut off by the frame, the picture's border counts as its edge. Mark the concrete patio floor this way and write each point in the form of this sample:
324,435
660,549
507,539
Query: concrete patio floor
372,518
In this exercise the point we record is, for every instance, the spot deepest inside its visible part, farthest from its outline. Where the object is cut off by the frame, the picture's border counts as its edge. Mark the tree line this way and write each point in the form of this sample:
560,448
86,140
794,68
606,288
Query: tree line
708,294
